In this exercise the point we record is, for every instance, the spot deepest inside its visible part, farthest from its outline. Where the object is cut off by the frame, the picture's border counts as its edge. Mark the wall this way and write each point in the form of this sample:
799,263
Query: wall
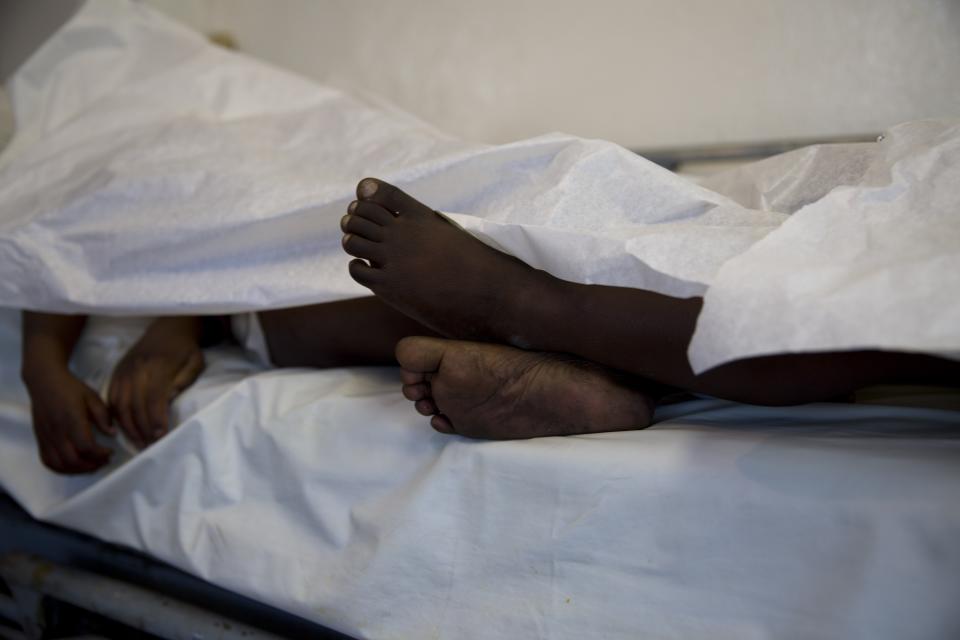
641,73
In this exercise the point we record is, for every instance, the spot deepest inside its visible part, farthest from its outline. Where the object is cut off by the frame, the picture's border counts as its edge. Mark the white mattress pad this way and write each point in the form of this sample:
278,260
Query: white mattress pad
324,494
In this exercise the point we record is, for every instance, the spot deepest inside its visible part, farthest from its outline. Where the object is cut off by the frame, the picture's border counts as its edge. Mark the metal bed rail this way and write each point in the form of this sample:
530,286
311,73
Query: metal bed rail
43,564
675,158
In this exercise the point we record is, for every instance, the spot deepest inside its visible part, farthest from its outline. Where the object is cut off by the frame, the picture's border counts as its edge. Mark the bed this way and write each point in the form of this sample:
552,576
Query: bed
720,520
320,496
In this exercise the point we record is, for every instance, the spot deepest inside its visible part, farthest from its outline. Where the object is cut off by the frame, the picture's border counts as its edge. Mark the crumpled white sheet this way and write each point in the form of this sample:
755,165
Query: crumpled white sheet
154,173
322,493
870,257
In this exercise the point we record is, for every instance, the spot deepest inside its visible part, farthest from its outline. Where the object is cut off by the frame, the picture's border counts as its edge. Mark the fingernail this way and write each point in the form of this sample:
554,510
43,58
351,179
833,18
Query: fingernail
367,188
343,241
353,206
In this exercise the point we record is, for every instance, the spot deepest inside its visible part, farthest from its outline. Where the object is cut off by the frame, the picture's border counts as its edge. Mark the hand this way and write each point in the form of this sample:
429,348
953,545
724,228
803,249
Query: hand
63,410
164,362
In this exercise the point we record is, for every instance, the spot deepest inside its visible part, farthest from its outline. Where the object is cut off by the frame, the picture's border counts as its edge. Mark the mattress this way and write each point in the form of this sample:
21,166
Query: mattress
321,493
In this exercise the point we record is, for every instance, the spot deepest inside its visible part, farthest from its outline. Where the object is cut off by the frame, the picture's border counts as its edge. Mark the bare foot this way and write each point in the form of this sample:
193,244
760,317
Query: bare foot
491,391
432,271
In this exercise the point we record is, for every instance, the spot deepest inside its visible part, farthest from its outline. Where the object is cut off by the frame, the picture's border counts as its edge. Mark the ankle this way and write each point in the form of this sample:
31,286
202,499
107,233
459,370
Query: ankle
533,311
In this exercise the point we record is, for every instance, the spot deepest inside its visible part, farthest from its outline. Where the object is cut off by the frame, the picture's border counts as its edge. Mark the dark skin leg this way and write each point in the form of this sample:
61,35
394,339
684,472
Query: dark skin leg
530,394
459,287
355,332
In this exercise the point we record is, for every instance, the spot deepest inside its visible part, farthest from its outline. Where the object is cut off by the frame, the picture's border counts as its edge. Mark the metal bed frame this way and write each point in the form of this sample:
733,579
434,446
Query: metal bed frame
56,582
674,159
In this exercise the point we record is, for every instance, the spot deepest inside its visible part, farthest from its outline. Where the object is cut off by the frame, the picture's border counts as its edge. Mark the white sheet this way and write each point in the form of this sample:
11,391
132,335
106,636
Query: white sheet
323,494
154,172
872,249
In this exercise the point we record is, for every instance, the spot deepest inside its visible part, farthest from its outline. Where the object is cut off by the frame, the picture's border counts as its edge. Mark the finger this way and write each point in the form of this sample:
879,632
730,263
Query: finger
71,460
158,405
140,394
84,444
123,411
113,395
158,408
100,415
50,458
113,401
187,374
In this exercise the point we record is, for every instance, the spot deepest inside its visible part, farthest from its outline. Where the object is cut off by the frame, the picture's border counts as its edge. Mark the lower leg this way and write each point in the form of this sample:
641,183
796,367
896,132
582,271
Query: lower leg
355,332
448,280
487,391
648,334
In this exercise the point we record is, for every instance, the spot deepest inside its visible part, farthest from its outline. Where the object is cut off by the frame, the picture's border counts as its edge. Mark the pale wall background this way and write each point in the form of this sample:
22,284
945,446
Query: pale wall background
642,73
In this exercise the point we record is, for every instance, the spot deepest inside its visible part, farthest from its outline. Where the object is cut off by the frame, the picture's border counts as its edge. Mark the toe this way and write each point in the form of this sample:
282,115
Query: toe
366,188
415,392
442,424
424,355
352,224
413,377
390,198
363,273
359,247
373,212
425,407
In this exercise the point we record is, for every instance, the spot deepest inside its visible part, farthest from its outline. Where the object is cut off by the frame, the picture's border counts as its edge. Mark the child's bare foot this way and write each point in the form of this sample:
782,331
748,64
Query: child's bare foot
432,271
492,391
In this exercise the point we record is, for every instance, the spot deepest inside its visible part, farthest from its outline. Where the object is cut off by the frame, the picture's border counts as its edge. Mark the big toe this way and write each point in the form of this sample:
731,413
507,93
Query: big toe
390,197
420,355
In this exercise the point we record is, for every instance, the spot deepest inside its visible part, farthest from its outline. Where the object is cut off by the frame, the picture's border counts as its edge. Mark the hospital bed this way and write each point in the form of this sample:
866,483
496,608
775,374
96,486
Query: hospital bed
55,580
315,503
719,521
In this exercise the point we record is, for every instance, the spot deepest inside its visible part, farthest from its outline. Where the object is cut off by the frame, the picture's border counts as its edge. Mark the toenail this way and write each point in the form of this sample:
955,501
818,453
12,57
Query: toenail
368,187
352,207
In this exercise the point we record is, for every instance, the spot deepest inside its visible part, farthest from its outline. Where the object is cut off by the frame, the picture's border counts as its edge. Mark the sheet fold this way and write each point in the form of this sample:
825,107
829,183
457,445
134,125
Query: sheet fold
152,172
